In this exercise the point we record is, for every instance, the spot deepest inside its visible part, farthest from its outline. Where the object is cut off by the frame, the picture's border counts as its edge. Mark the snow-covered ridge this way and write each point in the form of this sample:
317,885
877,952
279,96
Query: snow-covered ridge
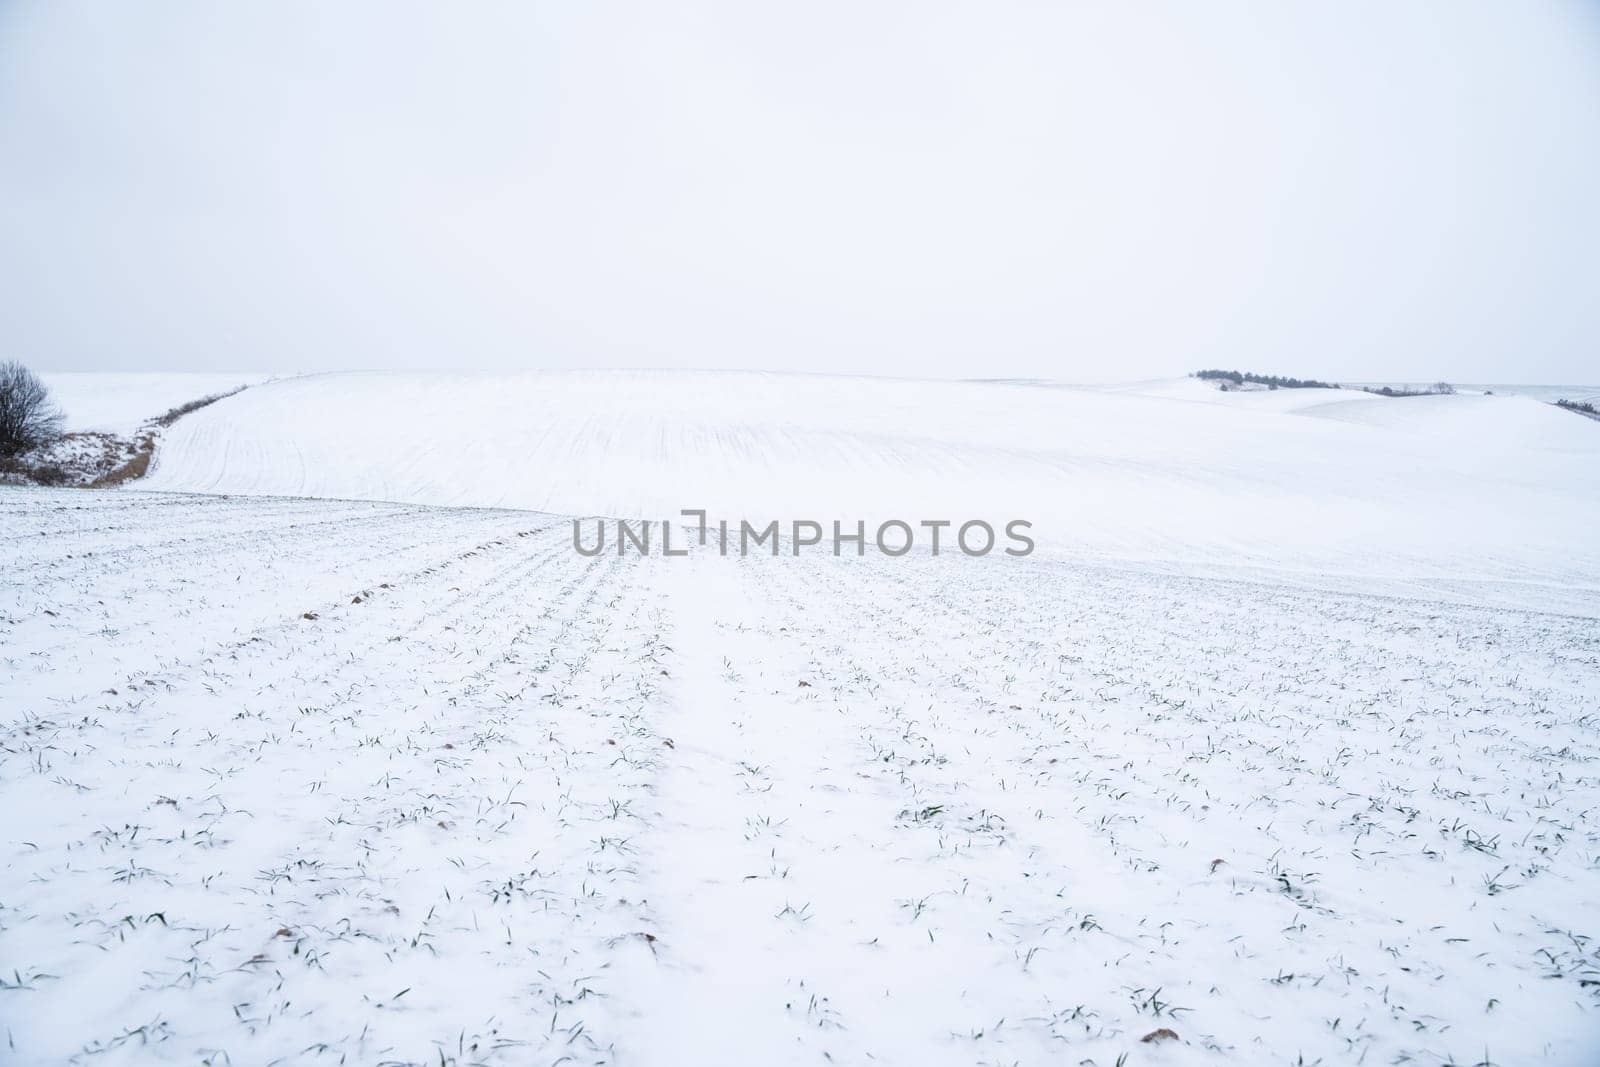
1166,468
121,403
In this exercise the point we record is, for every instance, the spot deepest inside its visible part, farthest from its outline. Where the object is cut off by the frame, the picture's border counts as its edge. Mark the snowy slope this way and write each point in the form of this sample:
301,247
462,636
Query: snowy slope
121,403
1164,469
1282,750
323,782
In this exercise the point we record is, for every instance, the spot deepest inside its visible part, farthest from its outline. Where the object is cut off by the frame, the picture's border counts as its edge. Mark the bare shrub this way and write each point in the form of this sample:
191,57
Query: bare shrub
28,418
53,474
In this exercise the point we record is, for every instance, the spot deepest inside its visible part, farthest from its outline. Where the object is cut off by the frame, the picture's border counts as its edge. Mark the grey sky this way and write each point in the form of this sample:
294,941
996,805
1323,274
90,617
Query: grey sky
1085,191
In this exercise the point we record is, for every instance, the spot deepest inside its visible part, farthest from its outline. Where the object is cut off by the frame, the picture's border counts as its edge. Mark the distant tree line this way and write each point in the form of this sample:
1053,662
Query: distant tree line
1582,407
1436,389
1271,381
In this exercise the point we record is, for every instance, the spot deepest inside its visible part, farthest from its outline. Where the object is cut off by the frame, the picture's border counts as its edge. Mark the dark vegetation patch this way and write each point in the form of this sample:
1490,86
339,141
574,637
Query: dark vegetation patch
75,459
17,470
1436,389
192,406
1271,381
1581,407
134,466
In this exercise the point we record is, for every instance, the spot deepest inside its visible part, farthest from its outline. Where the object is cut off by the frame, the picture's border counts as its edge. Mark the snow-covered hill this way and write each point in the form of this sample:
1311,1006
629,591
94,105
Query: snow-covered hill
121,403
1292,760
1163,469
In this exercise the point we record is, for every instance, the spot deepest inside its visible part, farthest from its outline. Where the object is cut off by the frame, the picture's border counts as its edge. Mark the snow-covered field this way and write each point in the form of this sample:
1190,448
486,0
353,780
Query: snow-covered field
1177,470
1286,742
121,403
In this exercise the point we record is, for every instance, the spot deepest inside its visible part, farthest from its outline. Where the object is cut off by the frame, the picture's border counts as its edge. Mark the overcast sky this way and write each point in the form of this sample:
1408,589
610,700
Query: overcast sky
1401,189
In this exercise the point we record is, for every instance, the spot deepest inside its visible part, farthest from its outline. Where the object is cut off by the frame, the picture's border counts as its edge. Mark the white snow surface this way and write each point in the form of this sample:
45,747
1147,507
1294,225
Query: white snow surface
302,781
1286,743
1320,478
121,403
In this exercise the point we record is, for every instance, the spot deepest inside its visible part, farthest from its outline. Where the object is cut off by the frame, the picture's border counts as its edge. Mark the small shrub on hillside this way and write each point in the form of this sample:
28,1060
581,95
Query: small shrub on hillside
28,417
51,474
